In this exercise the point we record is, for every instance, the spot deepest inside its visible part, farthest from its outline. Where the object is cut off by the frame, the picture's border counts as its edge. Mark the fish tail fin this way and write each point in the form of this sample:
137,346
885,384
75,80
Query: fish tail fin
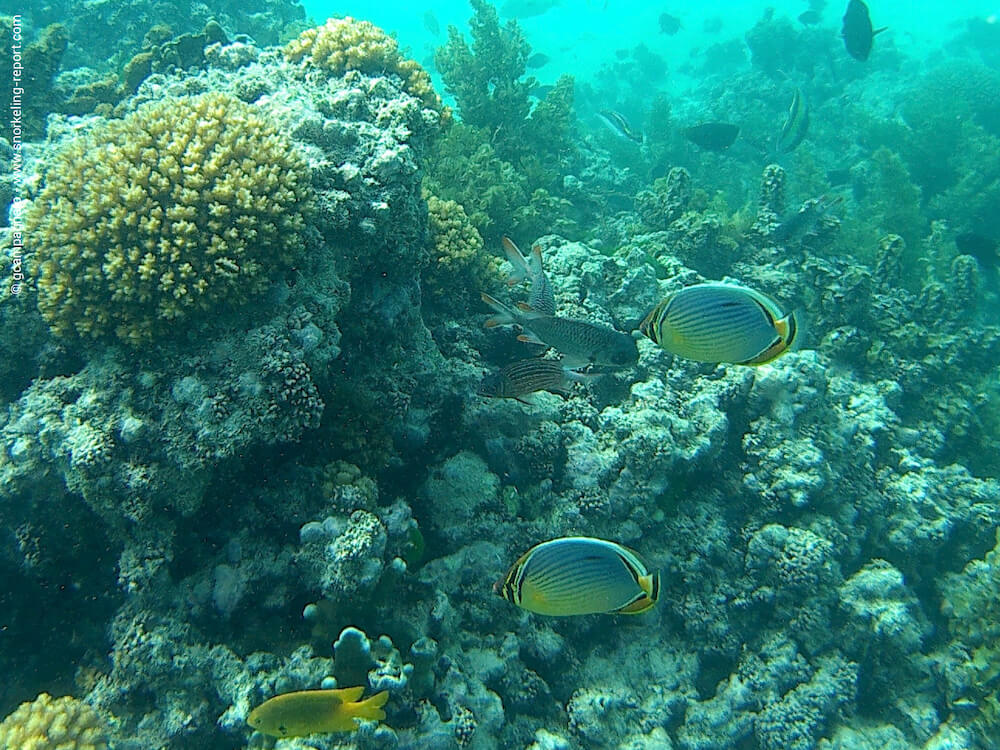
517,260
581,377
504,317
371,707
794,326
650,585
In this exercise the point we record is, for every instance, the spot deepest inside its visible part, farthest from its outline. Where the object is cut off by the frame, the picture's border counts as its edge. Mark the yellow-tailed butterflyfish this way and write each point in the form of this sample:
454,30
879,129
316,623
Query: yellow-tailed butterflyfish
721,323
316,711
580,576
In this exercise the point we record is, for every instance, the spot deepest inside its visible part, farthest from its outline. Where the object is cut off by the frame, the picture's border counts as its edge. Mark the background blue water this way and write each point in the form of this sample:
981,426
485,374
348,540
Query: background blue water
581,36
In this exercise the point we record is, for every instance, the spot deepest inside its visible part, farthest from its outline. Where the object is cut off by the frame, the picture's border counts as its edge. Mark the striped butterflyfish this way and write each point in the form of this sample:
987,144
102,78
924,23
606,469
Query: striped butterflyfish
580,576
721,323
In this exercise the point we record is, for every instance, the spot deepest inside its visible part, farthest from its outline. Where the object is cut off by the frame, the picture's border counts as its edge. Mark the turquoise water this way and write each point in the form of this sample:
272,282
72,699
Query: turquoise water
314,332
581,36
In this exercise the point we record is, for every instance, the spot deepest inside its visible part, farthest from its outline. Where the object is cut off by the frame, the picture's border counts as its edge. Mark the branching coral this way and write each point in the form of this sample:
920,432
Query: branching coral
343,44
54,724
183,207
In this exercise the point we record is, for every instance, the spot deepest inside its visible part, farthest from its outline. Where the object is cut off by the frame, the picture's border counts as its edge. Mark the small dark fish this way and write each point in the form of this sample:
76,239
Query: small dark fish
810,17
857,32
804,221
537,60
982,248
712,25
839,176
659,170
669,24
619,125
796,124
431,23
520,379
540,91
713,136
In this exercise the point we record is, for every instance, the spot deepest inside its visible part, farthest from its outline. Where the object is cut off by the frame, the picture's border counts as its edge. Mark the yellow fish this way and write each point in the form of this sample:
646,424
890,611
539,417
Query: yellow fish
315,711
721,323
580,575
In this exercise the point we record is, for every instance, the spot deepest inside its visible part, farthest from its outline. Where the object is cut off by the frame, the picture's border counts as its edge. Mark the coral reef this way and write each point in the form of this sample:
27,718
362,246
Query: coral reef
343,44
304,492
54,724
486,78
185,207
504,163
39,62
458,266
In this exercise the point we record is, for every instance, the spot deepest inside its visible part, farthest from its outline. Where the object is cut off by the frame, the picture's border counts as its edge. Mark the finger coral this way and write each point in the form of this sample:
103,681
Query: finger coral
343,44
457,259
54,724
185,206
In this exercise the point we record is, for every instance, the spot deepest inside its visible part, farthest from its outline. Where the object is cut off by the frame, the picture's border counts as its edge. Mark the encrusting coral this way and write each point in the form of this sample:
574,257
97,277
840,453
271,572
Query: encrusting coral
48,723
343,44
185,206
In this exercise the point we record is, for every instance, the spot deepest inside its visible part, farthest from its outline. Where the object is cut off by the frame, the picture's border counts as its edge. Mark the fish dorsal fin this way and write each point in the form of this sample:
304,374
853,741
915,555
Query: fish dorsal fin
535,261
516,259
347,695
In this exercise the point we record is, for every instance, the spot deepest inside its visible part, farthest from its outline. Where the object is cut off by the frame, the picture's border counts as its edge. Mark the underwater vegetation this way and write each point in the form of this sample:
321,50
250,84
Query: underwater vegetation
503,162
292,457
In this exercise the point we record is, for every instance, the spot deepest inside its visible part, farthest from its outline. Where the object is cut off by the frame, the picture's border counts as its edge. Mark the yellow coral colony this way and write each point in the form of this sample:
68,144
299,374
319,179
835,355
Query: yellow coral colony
48,723
458,259
343,44
187,204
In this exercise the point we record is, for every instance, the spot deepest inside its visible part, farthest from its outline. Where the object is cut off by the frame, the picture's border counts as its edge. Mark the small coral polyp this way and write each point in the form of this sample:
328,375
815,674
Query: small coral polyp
186,206
343,44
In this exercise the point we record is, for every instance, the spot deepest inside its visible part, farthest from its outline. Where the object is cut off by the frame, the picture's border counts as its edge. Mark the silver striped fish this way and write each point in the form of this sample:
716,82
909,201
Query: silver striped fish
721,323
580,576
581,343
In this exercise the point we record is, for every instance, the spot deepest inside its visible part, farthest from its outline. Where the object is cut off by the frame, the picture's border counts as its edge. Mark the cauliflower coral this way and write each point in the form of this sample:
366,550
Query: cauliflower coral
184,206
48,723
343,44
